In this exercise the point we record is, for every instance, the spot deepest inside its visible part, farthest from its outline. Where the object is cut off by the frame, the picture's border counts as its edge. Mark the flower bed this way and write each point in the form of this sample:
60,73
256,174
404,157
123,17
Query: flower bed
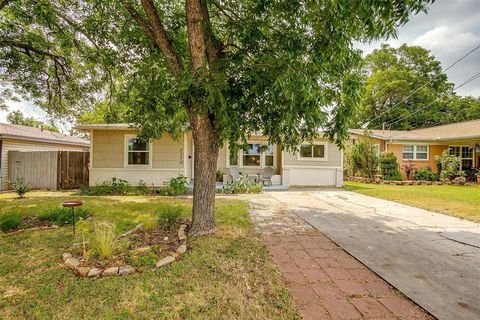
140,249
405,182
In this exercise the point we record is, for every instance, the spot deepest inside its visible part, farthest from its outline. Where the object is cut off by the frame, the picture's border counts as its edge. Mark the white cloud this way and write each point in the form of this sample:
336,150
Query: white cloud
28,110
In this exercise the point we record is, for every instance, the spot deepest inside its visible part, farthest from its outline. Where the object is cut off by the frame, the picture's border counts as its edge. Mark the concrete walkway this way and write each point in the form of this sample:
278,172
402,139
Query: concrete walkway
432,258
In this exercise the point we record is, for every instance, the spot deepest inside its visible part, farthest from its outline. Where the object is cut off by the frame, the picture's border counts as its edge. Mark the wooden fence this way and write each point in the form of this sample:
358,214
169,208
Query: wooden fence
49,169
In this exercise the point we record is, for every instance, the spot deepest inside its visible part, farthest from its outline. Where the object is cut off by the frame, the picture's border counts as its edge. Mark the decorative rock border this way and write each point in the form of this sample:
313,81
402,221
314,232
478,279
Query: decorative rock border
73,262
406,182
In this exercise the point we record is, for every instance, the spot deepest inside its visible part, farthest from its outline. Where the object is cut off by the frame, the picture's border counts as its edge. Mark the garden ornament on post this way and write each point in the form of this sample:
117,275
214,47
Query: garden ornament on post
72,204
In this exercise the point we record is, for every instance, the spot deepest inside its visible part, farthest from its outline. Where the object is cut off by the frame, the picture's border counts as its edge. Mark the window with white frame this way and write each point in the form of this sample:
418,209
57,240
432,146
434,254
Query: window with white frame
138,151
269,156
465,153
415,152
252,155
313,151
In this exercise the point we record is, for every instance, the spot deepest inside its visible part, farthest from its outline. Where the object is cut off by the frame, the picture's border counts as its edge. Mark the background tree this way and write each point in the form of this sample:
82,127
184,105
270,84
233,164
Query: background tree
224,68
16,117
393,74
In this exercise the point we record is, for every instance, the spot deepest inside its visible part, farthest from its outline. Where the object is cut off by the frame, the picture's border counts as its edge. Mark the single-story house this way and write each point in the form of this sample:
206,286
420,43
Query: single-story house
420,146
15,137
116,152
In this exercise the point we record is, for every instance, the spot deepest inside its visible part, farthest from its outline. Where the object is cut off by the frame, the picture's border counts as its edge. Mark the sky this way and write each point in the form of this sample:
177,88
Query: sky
450,29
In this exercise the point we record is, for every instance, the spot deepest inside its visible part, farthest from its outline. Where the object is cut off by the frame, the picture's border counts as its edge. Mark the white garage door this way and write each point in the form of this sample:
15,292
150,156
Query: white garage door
312,177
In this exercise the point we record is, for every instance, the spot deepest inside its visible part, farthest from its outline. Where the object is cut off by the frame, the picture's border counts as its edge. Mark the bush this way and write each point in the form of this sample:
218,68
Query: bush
116,187
178,185
362,158
63,216
425,174
103,241
219,175
20,186
10,222
242,185
170,215
449,165
389,167
142,188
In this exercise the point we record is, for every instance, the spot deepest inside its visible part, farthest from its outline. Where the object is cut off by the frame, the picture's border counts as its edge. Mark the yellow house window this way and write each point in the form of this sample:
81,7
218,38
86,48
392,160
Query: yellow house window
138,152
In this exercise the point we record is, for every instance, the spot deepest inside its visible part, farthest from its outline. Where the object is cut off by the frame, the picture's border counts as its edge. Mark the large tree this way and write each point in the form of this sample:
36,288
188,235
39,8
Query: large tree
222,68
17,117
406,88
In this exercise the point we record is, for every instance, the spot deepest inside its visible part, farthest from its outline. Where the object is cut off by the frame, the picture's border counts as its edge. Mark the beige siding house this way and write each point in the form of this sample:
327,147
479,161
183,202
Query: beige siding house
116,152
21,138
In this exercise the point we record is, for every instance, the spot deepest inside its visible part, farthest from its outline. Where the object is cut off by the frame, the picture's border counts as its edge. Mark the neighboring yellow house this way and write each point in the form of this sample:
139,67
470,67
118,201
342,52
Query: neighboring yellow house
419,147
116,152
14,137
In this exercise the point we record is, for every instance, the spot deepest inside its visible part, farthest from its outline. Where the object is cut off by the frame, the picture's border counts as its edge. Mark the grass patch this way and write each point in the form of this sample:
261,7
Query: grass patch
225,276
458,201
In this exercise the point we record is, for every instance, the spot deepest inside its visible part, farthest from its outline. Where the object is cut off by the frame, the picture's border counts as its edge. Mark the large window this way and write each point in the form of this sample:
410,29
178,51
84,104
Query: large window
313,151
138,152
415,152
465,154
252,155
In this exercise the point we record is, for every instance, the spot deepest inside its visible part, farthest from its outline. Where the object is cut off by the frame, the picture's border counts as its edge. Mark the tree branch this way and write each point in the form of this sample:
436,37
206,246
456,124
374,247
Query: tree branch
161,37
139,19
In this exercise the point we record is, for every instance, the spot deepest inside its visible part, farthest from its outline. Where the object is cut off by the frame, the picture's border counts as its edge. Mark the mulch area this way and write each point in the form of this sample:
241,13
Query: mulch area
324,280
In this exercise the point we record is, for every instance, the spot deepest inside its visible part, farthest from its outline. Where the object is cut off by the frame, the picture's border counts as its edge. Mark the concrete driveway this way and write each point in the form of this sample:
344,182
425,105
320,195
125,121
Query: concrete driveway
432,258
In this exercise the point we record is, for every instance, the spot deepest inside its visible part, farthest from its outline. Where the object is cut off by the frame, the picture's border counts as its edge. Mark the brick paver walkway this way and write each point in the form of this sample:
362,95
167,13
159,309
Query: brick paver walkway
324,280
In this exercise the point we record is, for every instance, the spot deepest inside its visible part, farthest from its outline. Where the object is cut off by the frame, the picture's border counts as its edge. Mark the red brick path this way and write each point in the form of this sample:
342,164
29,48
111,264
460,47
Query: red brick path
327,283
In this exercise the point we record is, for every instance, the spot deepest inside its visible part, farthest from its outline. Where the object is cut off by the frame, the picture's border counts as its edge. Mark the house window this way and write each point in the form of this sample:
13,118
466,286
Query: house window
313,151
138,152
415,152
465,154
252,155
269,156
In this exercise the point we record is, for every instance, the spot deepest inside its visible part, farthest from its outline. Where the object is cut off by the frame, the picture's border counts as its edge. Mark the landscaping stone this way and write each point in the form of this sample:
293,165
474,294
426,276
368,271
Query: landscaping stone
94,272
181,232
126,269
83,271
139,226
164,261
142,249
182,249
112,271
72,262
66,256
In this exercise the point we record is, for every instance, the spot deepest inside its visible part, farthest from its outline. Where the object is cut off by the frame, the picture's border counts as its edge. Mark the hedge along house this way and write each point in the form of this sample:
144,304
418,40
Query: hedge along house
116,152
15,137
420,146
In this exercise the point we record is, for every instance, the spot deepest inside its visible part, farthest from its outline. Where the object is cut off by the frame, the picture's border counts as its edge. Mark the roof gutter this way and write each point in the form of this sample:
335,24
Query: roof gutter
17,137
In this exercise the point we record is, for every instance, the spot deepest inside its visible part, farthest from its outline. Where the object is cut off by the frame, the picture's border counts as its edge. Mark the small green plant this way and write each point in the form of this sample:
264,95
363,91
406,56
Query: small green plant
389,166
170,215
425,174
142,188
150,223
20,186
83,226
63,216
242,185
362,157
103,241
178,185
148,259
10,222
219,175
115,187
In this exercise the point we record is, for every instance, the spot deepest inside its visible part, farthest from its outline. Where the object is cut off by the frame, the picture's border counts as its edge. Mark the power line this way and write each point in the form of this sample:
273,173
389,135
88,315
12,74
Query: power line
421,87
472,78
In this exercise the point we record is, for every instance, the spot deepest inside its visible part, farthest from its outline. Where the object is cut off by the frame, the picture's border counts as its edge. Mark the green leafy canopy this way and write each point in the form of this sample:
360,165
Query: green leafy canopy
286,68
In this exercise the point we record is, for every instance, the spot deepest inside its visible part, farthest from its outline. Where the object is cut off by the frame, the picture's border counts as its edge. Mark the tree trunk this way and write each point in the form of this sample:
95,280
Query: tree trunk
206,144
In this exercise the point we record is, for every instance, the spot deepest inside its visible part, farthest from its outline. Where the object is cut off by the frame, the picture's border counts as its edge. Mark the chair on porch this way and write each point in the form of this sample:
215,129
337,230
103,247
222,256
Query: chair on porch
267,176
234,173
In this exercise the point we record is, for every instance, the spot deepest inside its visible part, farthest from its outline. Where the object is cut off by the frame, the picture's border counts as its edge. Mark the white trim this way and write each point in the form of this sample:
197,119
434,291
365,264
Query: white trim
325,155
185,155
125,153
90,165
414,152
310,167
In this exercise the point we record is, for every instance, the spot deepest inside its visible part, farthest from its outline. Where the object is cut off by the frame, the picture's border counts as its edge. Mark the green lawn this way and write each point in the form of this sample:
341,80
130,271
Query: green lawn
458,201
225,276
